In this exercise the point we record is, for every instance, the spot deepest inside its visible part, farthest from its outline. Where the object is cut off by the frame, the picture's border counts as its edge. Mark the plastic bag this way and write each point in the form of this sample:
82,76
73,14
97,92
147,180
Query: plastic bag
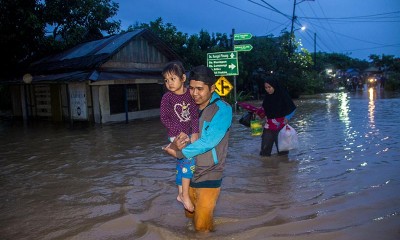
256,127
287,138
246,119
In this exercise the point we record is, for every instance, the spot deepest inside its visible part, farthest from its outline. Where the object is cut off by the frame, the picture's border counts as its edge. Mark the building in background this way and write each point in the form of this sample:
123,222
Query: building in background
114,79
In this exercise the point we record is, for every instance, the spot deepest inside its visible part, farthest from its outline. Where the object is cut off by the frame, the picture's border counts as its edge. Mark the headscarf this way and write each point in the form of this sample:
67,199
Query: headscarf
279,104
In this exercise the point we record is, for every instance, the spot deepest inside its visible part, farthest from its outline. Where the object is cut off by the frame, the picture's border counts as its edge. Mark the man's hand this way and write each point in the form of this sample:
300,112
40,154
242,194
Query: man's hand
180,141
178,144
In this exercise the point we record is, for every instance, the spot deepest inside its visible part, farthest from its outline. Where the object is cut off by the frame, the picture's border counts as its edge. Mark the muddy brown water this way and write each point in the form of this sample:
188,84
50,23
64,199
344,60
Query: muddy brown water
115,182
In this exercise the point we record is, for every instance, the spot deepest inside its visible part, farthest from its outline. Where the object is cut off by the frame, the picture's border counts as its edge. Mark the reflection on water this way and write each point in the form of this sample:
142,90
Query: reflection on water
371,106
344,108
114,181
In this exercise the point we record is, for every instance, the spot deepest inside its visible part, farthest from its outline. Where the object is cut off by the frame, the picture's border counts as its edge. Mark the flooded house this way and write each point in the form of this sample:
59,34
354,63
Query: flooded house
113,79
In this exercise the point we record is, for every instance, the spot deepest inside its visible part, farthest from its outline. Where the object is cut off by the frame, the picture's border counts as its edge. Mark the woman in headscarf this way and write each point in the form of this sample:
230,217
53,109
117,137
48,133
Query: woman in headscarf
279,108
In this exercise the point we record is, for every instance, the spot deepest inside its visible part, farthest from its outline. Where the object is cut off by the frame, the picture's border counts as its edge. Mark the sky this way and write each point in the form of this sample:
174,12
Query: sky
357,28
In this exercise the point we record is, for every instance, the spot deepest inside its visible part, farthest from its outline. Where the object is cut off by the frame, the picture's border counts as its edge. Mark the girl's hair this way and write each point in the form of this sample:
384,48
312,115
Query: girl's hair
174,67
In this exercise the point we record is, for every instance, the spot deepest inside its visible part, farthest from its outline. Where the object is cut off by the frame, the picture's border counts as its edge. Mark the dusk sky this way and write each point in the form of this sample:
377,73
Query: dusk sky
354,27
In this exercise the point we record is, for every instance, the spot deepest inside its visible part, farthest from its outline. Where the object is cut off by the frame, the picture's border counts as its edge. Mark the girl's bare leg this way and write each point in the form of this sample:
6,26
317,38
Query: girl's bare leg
179,193
183,196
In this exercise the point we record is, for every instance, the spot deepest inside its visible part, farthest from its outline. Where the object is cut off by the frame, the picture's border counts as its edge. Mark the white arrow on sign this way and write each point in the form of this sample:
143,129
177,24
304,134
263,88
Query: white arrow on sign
232,55
232,66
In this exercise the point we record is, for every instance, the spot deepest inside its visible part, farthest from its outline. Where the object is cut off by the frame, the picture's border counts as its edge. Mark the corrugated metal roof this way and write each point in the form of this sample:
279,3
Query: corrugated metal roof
88,56
103,46
63,77
94,76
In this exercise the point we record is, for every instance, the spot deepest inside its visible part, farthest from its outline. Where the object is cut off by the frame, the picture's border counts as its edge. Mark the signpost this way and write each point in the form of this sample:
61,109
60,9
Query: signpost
223,86
226,64
242,36
243,47
223,63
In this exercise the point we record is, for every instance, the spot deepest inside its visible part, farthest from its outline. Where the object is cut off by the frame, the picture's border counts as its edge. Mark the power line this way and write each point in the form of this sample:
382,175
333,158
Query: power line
353,17
341,34
362,49
338,43
321,36
276,10
229,5
248,12
319,22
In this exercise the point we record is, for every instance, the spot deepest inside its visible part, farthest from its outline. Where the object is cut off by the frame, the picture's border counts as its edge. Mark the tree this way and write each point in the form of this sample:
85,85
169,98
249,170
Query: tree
194,55
168,32
23,25
78,21
22,31
254,64
384,63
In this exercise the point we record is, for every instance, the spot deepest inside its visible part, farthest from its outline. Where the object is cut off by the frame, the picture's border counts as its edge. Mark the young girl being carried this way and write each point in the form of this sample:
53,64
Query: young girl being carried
179,113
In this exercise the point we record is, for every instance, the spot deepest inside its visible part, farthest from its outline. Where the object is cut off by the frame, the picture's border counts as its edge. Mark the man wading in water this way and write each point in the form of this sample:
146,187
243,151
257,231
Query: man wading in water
210,150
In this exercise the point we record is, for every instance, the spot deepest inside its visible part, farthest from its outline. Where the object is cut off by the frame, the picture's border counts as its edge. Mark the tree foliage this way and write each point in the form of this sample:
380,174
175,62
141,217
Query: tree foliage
22,31
167,32
23,24
385,62
338,61
74,22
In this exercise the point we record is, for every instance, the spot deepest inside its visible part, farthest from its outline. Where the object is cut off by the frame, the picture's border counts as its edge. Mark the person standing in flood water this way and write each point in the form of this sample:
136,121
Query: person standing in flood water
279,108
179,113
210,149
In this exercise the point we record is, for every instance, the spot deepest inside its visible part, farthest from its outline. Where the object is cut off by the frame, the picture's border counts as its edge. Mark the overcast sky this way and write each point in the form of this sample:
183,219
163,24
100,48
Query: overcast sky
354,27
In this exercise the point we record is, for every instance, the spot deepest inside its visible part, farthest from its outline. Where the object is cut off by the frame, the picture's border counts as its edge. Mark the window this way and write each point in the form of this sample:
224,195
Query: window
117,98
150,95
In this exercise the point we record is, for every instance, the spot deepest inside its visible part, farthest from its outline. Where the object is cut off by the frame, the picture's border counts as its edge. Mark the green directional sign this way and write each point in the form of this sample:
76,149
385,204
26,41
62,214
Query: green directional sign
242,36
223,63
243,47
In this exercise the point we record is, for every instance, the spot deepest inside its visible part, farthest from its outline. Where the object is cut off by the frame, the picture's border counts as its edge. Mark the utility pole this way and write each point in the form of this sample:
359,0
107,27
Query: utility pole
291,29
234,77
315,51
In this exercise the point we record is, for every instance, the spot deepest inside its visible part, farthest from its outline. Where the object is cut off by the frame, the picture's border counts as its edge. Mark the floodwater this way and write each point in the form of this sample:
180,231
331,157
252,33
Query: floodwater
115,182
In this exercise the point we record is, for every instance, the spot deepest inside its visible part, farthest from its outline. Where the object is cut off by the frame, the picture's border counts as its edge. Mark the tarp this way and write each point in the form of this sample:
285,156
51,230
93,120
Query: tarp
372,70
257,110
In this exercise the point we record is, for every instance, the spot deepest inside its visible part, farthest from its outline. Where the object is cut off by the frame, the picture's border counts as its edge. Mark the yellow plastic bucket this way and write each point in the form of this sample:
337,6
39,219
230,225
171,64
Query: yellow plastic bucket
256,127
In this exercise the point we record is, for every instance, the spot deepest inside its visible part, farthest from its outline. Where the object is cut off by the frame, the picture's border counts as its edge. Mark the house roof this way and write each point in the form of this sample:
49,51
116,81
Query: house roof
86,57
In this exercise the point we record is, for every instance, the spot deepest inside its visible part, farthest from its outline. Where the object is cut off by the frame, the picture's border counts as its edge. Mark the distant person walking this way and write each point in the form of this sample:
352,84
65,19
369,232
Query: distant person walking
382,80
278,108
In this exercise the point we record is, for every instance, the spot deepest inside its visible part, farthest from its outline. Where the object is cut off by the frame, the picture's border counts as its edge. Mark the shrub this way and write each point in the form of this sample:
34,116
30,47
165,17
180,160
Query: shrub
393,82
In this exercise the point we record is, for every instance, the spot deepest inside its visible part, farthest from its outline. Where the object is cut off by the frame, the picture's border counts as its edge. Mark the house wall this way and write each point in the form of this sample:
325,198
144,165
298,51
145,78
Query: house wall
56,106
64,101
96,103
102,111
104,104
23,95
17,99
138,54
42,98
78,98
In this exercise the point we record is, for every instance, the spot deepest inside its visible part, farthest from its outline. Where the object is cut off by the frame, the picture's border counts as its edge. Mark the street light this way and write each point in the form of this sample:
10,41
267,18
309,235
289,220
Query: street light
302,28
